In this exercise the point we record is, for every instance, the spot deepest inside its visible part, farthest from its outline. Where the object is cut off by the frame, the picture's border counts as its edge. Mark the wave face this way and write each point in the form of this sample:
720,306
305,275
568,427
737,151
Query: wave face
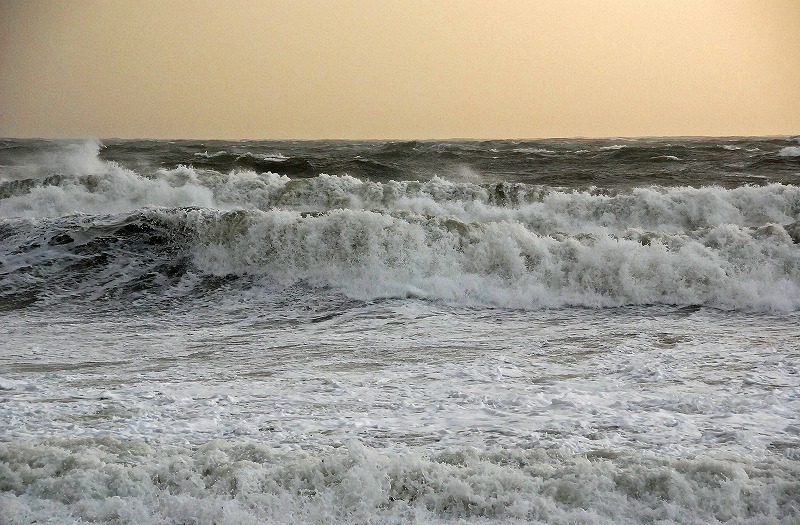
94,228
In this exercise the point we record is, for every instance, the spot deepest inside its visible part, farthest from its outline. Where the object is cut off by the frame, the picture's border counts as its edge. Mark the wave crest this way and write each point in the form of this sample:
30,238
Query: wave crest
370,255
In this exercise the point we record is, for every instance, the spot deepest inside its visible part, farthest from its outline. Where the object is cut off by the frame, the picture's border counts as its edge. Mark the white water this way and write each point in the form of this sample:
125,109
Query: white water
372,255
513,246
186,346
790,151
398,412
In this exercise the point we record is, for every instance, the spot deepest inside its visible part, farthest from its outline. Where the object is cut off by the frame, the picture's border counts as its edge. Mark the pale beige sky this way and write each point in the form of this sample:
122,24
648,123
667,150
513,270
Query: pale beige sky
399,69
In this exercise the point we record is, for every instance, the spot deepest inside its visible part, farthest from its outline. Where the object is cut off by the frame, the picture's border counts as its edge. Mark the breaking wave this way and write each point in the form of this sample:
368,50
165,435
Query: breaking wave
369,255
790,151
109,481
97,228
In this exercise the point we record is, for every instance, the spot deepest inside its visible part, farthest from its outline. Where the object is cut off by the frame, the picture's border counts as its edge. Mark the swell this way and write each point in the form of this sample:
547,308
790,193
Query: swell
573,163
223,161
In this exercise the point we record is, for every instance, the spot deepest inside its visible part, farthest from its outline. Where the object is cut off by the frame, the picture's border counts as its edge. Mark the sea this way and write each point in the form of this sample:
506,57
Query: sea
563,331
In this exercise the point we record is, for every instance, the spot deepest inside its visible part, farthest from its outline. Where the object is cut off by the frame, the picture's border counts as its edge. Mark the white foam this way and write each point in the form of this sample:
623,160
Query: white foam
274,157
110,189
82,158
540,151
396,411
207,155
660,209
371,255
71,159
789,151
107,481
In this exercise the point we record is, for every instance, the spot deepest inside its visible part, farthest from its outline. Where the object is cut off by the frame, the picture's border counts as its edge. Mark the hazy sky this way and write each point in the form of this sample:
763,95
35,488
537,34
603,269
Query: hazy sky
399,69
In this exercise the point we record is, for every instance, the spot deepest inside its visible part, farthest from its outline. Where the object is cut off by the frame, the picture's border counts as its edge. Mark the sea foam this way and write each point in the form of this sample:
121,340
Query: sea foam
110,481
370,254
790,151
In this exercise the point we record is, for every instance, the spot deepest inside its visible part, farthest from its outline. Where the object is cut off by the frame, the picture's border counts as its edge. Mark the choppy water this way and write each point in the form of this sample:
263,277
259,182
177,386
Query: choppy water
566,331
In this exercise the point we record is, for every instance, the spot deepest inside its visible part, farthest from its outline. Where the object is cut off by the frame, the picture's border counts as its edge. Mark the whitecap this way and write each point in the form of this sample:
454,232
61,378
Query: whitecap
536,151
790,151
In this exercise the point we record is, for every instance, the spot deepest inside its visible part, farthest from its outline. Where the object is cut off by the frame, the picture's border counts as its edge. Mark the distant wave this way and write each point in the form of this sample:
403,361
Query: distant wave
534,151
226,161
574,163
790,151
207,155
112,189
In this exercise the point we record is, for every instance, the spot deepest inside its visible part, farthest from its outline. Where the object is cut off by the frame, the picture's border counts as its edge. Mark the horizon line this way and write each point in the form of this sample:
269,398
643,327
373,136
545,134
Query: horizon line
449,139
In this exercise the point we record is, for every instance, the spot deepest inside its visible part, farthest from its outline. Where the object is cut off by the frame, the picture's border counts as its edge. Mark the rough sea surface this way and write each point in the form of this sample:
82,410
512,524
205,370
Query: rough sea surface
560,332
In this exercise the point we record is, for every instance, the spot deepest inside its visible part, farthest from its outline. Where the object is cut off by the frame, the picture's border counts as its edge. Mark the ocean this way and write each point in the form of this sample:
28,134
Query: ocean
271,332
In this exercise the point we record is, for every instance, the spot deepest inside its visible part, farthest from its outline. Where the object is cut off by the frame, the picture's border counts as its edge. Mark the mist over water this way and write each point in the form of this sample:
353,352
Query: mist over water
393,332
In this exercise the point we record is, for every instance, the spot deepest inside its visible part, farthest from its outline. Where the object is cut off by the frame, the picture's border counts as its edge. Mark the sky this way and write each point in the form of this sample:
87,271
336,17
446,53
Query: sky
386,69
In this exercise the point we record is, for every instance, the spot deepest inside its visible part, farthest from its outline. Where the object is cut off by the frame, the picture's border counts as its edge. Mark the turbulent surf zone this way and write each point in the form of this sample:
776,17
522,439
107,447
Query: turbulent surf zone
234,332
503,244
